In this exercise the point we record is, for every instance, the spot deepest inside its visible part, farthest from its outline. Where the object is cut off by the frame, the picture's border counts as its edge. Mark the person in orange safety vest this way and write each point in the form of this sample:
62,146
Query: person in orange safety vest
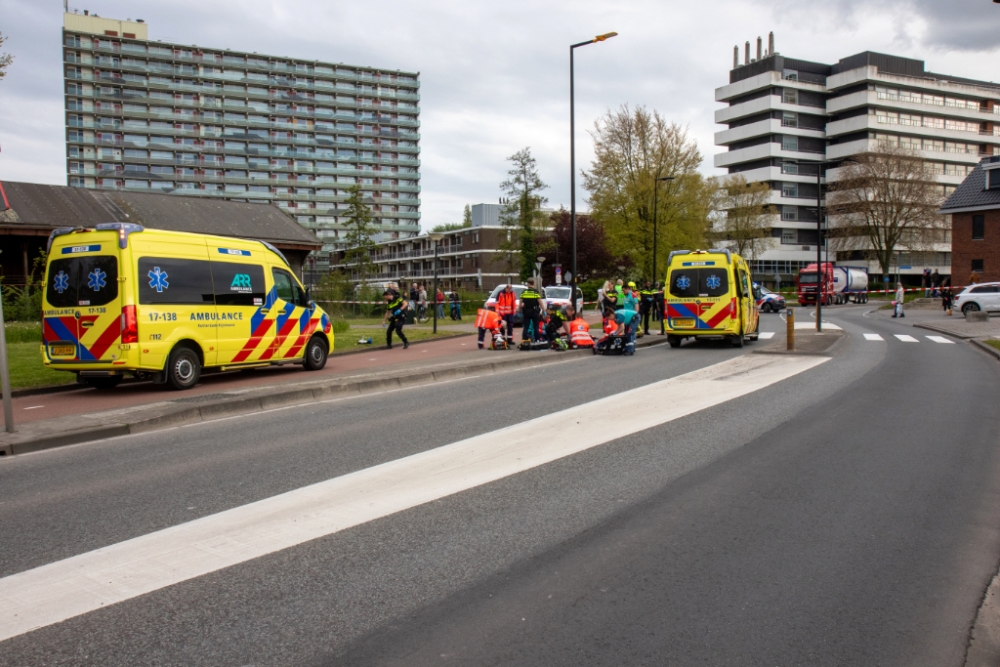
506,307
579,333
487,320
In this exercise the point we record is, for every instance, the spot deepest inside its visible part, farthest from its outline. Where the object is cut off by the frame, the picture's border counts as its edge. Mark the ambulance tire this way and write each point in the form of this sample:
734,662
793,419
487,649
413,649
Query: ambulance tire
183,368
104,383
738,340
315,354
674,341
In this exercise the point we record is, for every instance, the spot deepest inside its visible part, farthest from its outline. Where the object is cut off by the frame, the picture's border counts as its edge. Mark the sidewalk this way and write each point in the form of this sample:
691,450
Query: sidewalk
86,414
934,319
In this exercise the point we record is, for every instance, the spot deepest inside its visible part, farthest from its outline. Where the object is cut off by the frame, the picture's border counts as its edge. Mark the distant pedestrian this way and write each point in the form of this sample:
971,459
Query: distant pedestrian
619,294
506,308
456,305
925,282
422,304
414,297
395,315
439,303
935,283
947,297
646,296
600,297
659,302
631,299
900,297
610,297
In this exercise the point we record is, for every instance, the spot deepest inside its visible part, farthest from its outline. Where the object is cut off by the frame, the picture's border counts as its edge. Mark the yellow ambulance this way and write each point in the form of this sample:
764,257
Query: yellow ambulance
121,299
709,294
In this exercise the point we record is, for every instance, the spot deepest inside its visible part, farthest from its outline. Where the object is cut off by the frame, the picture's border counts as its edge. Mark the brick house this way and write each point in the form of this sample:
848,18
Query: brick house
975,224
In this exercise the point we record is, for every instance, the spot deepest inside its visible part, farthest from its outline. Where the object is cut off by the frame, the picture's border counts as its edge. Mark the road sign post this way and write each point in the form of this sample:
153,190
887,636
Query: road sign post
8,406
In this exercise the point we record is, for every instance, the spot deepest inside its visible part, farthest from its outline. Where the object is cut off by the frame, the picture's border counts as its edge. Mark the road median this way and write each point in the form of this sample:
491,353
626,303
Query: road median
179,411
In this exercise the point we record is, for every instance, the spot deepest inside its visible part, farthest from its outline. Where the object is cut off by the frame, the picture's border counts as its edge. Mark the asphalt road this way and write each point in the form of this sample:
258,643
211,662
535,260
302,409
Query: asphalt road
847,515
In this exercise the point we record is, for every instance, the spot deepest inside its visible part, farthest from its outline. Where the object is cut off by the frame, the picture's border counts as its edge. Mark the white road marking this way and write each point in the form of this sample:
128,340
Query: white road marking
765,335
34,407
61,590
871,336
906,339
941,339
812,325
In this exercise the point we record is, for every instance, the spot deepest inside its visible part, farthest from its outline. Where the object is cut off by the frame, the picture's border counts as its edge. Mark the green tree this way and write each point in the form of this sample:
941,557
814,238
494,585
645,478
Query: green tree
5,58
634,150
744,216
522,214
360,243
467,216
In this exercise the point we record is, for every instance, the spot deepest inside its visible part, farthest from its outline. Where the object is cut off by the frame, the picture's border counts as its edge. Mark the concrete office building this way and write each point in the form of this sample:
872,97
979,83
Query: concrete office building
785,114
145,115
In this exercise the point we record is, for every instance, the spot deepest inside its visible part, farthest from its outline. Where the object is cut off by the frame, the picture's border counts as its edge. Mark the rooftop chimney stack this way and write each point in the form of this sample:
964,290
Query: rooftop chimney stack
746,60
770,43
736,57
760,46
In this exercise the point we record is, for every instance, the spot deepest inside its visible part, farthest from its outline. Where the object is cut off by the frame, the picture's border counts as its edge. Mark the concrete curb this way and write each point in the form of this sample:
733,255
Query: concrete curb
944,330
988,349
75,429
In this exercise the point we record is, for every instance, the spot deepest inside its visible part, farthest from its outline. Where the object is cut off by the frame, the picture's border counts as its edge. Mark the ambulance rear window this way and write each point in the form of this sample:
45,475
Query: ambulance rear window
171,281
82,281
692,283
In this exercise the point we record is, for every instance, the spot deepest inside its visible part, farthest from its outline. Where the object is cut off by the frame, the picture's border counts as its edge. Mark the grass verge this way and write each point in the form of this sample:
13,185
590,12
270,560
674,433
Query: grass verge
26,369
993,343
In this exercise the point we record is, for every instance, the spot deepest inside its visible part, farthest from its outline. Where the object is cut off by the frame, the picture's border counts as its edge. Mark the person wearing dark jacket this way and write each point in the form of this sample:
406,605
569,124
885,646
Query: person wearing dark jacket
531,312
395,313
646,296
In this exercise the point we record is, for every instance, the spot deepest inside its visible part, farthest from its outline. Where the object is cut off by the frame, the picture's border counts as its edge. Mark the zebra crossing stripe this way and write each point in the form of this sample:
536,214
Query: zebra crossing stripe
941,339
906,339
871,336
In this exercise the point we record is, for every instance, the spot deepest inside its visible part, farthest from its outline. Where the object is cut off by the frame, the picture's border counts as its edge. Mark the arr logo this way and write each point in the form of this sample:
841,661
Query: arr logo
241,283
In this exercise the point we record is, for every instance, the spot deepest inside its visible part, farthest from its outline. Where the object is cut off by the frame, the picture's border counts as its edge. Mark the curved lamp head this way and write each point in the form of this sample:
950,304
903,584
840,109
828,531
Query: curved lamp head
609,35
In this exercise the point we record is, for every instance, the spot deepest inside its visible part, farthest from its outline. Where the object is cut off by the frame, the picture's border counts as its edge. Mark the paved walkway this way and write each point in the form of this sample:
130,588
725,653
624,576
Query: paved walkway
934,319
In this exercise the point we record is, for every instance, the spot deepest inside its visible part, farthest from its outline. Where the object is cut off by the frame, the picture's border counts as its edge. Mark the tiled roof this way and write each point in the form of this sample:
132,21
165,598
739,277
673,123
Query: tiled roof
33,205
971,193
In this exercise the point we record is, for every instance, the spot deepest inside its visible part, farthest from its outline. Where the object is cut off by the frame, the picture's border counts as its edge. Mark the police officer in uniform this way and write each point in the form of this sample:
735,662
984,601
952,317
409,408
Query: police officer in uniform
395,312
531,312
646,296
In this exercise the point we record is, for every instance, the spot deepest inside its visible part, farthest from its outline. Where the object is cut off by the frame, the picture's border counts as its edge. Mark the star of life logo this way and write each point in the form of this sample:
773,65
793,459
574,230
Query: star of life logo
97,279
60,282
713,281
683,282
158,279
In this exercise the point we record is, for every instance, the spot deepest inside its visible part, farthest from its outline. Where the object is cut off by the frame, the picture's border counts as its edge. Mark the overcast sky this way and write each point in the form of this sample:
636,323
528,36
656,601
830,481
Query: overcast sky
495,75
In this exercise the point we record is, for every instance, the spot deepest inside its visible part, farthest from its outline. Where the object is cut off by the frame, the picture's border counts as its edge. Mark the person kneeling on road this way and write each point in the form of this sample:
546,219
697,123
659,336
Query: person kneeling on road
557,323
627,321
579,330
395,313
487,321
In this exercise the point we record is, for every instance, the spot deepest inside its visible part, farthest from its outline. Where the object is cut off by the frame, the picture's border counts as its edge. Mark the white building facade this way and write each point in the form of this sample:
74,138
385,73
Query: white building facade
785,117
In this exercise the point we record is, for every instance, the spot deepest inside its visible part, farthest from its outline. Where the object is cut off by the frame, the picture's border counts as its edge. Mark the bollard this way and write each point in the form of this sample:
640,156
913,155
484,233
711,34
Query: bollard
790,329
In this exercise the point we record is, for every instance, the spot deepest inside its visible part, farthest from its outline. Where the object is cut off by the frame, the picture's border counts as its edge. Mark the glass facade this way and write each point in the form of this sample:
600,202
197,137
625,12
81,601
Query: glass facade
156,117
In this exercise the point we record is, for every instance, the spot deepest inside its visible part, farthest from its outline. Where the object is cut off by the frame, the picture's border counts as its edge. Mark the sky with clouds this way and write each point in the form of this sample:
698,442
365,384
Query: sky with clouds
495,75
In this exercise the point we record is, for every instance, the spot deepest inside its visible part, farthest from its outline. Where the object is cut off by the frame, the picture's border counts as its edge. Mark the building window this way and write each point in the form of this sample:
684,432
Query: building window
789,213
977,265
789,119
790,190
790,74
993,179
978,227
789,236
789,167
789,143
790,96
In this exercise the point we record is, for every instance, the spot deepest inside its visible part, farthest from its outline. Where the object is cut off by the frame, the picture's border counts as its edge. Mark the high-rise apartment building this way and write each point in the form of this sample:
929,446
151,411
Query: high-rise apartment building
144,115
784,115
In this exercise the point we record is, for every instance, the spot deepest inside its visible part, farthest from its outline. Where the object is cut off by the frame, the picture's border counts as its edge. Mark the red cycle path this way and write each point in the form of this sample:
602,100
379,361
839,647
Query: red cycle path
86,400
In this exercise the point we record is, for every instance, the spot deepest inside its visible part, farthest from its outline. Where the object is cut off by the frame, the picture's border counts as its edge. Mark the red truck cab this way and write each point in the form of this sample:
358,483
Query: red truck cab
807,284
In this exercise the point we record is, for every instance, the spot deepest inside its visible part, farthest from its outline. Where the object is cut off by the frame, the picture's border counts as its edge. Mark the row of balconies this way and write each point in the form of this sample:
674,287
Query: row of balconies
291,152
293,169
252,94
179,115
116,124
115,78
214,61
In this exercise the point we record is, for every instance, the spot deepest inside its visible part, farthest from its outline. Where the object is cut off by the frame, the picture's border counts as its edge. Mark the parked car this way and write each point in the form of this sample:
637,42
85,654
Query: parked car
768,301
984,296
559,295
491,302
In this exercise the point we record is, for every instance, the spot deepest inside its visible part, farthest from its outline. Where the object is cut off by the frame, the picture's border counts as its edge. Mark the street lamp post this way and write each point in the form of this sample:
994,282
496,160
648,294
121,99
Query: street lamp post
656,190
572,154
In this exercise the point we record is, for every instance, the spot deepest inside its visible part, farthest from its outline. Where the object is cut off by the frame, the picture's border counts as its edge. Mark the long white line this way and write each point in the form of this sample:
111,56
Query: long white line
80,584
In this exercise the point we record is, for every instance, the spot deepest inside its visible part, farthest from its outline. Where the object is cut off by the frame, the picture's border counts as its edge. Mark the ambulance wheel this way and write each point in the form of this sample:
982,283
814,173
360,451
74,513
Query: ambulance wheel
104,383
315,354
674,341
183,368
738,340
